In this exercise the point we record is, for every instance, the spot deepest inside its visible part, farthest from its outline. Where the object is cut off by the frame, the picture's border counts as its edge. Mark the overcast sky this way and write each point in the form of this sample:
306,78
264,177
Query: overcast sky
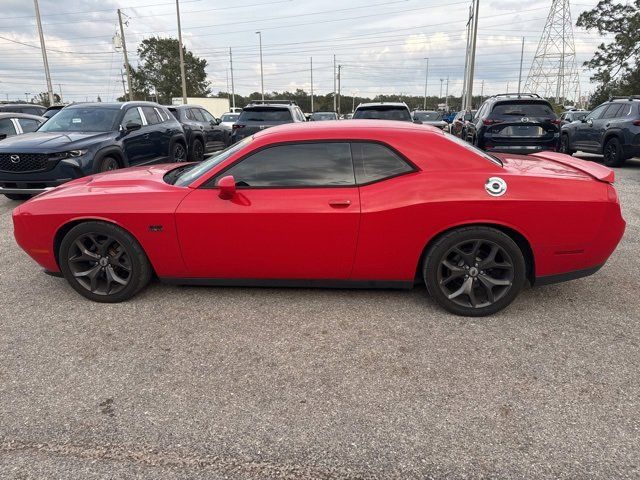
380,44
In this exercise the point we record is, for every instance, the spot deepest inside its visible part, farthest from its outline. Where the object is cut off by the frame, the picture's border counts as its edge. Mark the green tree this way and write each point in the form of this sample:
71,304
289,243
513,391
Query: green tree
616,63
158,71
43,99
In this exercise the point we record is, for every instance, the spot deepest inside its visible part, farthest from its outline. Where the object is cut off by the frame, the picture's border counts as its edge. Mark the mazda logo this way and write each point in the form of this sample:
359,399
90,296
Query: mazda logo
15,158
524,120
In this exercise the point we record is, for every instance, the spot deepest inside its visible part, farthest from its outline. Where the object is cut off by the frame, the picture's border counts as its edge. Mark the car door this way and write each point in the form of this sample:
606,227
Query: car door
136,143
158,147
583,137
295,215
600,125
215,133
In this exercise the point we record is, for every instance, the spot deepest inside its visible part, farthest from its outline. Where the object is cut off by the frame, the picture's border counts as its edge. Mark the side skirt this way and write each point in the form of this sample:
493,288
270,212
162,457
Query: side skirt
290,283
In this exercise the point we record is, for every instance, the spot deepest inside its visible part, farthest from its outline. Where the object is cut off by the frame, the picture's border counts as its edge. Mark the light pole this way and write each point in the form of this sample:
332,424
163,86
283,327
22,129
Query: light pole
441,80
126,59
44,54
311,84
426,81
259,33
184,77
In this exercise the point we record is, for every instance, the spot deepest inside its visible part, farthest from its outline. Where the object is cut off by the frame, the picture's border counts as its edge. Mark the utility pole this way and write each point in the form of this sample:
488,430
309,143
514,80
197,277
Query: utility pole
182,74
353,102
507,86
311,84
441,80
335,109
339,67
481,91
124,89
426,81
126,59
60,88
520,74
44,54
233,90
261,70
472,57
446,97
465,77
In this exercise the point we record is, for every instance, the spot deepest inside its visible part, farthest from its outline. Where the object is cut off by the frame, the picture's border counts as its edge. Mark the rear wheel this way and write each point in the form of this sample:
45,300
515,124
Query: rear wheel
197,151
103,262
613,154
17,196
565,146
474,271
178,153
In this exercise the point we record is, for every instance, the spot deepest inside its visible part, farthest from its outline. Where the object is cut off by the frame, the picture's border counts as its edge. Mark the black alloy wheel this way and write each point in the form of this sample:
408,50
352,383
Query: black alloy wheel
613,155
564,145
103,262
108,164
178,153
474,271
197,151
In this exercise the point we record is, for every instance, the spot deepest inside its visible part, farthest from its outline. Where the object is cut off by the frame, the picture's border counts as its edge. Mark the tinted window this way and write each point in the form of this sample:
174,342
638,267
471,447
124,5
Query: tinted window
229,117
373,161
324,116
175,113
304,165
28,125
194,114
207,116
6,127
612,111
383,113
523,109
265,115
90,119
427,116
132,116
161,114
151,115
597,112
625,110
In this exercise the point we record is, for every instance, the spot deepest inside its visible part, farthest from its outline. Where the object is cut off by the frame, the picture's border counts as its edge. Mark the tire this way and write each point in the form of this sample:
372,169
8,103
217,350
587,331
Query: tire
613,154
196,154
564,145
107,164
123,274
17,196
178,153
467,277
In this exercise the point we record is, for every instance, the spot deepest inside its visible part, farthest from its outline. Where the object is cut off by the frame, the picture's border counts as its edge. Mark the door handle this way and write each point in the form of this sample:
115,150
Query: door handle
340,203
607,125
145,136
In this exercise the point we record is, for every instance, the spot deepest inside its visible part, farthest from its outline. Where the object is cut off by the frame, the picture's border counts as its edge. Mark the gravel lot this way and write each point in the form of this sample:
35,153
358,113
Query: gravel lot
186,382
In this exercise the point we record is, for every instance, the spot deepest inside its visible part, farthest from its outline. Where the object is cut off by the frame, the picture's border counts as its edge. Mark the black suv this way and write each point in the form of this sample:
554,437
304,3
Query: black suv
515,123
88,138
28,108
259,115
384,111
201,129
612,129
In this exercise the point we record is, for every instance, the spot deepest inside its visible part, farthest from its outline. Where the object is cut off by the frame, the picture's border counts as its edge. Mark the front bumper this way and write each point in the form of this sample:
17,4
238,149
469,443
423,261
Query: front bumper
33,183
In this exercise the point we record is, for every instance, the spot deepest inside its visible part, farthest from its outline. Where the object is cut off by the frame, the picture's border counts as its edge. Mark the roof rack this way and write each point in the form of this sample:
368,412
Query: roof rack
532,95
283,102
626,97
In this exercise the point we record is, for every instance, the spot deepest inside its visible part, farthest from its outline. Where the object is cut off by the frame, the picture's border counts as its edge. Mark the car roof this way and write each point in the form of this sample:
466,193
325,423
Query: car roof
386,104
114,104
21,115
336,129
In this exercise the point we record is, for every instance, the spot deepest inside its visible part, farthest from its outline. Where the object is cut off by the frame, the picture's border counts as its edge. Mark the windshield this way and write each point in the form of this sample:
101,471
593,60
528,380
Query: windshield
265,115
427,116
383,113
523,109
195,171
474,149
82,120
229,117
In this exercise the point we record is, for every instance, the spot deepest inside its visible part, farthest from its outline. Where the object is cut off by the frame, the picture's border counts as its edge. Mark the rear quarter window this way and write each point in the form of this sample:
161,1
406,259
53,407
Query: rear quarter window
373,162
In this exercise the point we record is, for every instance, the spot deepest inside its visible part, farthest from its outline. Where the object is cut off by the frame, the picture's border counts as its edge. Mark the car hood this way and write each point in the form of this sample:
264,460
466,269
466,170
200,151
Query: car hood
51,141
128,180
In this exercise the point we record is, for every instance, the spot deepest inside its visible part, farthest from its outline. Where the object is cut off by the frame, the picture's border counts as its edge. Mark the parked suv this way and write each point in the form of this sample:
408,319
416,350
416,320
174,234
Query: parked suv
259,115
612,129
515,123
573,116
384,111
201,130
88,138
28,108
18,123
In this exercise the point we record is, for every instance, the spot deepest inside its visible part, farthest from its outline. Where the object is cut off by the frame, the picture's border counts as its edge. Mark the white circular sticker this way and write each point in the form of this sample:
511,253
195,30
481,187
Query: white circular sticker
495,186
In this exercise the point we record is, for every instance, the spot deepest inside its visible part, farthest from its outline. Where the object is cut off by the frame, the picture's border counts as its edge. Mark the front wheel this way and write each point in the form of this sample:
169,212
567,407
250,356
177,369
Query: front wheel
565,146
103,262
613,154
197,151
107,164
474,271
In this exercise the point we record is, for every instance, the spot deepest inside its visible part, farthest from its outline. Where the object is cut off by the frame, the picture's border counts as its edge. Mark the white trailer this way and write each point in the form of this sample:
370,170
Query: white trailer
215,106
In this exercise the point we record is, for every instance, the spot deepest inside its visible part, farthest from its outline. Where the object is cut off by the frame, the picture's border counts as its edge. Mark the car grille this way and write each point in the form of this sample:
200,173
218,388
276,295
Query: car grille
23,162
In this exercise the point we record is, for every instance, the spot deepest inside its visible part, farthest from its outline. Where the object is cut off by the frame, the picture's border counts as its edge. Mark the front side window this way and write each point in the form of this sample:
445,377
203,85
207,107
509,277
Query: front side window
373,162
324,164
6,127
79,119
207,116
28,125
132,116
597,112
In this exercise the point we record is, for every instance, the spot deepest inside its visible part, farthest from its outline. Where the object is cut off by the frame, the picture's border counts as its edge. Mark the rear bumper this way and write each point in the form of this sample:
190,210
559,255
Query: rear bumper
565,277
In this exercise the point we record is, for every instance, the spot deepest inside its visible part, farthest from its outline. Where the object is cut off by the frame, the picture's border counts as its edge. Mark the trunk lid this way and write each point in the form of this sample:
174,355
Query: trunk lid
555,165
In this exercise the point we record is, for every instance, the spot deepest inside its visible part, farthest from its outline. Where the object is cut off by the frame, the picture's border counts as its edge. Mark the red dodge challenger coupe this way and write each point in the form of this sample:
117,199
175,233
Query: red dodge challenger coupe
334,204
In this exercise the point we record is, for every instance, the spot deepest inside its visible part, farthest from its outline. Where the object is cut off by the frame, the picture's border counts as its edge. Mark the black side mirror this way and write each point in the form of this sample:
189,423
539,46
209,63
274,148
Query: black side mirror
131,126
3,136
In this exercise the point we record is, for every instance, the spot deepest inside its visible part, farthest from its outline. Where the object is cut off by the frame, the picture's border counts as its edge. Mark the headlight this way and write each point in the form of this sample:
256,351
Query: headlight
76,153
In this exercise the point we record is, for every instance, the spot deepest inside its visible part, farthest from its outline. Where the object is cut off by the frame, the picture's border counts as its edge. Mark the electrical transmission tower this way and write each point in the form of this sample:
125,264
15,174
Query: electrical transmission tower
553,72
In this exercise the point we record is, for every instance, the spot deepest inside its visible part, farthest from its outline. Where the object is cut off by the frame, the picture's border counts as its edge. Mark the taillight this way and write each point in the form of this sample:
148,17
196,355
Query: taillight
636,123
556,121
490,121
236,126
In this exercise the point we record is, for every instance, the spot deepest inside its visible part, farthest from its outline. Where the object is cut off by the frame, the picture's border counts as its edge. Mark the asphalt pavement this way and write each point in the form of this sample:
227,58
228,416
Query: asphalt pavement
195,382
